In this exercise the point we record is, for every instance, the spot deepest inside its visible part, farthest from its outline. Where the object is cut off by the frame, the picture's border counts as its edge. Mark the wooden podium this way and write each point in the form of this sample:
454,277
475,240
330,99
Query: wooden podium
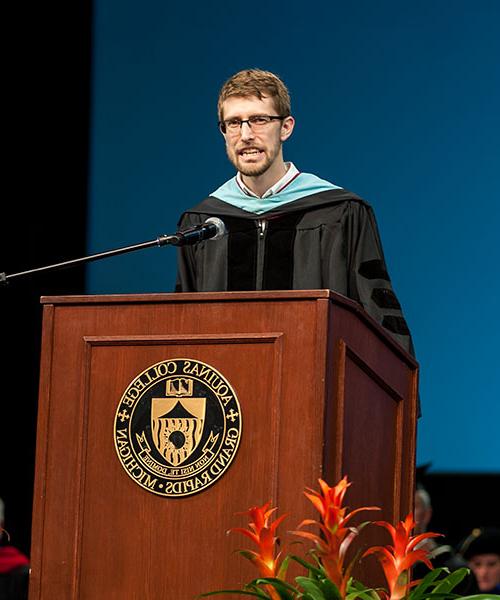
323,391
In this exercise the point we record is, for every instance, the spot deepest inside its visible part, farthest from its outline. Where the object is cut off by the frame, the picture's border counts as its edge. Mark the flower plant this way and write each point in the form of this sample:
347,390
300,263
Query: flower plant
328,572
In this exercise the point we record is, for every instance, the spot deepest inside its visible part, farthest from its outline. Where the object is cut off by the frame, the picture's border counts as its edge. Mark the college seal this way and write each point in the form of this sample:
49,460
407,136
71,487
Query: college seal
177,427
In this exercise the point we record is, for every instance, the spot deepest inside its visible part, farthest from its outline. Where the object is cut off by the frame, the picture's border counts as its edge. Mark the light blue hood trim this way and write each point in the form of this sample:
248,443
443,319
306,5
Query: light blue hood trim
303,185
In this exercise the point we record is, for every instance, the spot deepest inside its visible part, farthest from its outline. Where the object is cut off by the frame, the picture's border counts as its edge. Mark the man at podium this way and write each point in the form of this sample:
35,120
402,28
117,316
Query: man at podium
285,229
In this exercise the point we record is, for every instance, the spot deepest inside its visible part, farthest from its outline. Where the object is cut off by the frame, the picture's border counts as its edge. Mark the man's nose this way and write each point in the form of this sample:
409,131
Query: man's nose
246,132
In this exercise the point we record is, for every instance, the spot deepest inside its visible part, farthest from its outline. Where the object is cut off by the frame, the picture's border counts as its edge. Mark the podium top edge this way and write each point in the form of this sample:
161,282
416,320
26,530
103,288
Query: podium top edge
195,297
253,296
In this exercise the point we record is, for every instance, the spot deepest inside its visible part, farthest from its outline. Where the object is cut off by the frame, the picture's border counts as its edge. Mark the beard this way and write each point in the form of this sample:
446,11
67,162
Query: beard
253,169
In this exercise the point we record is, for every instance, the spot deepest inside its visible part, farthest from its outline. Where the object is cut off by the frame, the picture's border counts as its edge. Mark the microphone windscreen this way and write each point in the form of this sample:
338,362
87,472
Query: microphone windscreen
219,224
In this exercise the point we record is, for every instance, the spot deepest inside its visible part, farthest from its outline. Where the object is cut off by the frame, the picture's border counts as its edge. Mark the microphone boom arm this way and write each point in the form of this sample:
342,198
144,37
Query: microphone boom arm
162,240
212,228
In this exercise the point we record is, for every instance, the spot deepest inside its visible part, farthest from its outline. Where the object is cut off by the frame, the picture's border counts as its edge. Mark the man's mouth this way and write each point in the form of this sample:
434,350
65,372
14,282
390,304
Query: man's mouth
250,152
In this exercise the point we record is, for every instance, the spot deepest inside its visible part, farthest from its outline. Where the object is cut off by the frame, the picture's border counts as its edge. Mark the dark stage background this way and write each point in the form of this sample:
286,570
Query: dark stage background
43,215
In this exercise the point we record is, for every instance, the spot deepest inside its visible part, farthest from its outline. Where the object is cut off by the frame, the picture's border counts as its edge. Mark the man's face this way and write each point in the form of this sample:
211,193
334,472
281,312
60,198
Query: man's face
486,568
255,152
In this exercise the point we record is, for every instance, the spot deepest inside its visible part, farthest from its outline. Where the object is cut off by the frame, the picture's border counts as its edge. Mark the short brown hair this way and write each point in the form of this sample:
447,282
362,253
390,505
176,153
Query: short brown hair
255,82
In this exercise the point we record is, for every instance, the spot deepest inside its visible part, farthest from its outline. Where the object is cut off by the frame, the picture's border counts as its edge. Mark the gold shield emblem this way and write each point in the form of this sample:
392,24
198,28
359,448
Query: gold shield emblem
177,421
177,427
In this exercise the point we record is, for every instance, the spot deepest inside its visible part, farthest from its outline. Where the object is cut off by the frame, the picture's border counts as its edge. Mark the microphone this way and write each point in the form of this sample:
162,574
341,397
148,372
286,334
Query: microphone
212,229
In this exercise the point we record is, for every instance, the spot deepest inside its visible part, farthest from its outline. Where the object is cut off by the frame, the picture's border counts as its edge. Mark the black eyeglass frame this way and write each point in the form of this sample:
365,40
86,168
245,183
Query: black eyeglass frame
223,124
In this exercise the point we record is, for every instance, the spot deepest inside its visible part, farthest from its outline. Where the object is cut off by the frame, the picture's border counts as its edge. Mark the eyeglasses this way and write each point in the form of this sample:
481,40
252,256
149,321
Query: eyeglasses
256,123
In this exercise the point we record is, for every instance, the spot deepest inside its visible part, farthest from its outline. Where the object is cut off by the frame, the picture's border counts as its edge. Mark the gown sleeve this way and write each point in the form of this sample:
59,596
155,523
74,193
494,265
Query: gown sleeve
368,280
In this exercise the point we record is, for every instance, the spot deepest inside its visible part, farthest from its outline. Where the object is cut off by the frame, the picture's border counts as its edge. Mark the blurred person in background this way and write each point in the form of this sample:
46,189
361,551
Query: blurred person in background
440,554
481,550
14,566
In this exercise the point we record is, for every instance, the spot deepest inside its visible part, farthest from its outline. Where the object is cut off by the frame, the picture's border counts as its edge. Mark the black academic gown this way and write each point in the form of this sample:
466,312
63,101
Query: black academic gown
325,240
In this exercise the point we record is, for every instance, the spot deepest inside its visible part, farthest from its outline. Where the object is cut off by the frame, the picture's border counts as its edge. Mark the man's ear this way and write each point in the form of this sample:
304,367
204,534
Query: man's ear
287,126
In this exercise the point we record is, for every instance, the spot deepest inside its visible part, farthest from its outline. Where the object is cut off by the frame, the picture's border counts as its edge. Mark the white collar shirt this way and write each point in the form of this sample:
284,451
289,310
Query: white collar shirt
291,173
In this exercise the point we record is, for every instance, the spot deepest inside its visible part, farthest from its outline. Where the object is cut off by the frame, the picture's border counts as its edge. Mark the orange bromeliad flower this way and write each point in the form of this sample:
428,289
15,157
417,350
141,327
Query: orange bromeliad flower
396,560
337,536
262,532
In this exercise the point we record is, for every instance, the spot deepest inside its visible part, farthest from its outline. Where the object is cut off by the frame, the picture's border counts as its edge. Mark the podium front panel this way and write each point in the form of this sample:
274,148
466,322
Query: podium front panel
100,535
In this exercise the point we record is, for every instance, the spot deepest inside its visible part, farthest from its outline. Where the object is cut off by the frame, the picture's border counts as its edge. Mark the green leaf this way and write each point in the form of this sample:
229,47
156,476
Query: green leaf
433,595
362,525
239,592
322,589
481,597
366,594
282,587
359,590
317,571
451,581
247,554
330,590
314,554
311,587
429,581
283,568
356,589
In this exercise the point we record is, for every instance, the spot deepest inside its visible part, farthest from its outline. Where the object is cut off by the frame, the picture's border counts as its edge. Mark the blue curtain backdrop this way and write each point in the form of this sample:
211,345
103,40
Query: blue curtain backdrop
396,101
